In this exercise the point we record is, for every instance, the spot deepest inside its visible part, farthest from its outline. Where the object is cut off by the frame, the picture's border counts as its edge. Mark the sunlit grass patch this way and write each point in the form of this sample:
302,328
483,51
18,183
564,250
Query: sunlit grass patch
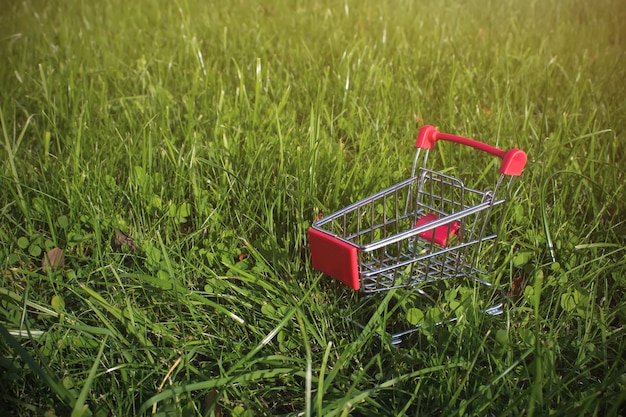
177,152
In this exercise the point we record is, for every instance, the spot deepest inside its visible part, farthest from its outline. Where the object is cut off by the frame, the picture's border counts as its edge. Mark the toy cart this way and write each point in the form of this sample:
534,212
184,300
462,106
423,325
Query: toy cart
430,227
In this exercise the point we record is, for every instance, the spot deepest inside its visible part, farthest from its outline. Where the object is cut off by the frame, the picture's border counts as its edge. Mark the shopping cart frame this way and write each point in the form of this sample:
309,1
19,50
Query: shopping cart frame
429,227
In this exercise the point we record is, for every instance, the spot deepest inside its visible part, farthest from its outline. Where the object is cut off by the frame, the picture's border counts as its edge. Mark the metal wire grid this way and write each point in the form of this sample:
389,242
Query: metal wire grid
392,252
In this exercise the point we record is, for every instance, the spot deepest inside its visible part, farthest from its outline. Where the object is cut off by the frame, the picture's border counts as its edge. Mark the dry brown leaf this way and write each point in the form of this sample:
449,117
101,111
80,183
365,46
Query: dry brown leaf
211,401
319,216
120,239
517,286
52,260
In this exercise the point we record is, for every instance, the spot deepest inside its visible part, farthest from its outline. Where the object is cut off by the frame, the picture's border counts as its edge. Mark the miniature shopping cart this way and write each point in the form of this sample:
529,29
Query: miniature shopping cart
430,227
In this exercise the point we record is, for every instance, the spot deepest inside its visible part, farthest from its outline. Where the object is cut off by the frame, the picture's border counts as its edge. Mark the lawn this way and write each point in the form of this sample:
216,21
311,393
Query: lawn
176,152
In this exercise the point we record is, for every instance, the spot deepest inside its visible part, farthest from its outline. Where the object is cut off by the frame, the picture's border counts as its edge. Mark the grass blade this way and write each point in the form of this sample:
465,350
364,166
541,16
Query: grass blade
50,380
251,377
80,408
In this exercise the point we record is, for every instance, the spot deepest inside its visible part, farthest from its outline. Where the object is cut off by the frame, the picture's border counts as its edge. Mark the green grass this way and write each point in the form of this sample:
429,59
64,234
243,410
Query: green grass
212,133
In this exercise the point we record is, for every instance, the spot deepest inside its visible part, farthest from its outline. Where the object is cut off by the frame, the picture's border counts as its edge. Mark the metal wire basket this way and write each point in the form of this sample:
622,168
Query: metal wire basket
430,227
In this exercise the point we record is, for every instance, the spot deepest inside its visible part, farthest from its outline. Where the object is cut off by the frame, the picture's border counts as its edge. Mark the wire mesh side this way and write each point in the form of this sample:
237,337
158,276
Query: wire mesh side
375,218
395,253
415,260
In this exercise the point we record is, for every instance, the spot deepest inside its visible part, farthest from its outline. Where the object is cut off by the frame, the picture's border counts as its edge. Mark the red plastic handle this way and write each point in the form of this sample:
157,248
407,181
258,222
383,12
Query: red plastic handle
513,160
